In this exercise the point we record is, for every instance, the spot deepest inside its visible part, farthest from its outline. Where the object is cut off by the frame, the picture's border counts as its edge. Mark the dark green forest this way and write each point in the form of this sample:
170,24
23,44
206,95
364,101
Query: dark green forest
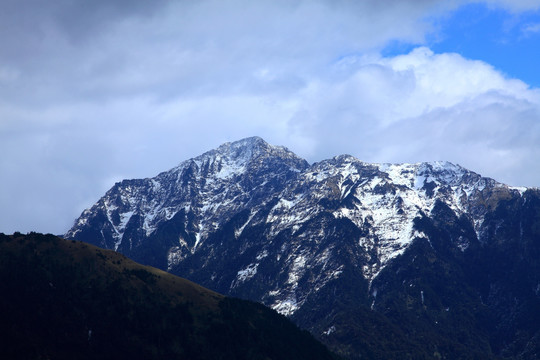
66,299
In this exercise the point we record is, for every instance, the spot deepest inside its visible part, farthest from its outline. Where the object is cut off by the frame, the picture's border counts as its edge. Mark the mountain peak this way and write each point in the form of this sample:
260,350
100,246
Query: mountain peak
234,157
441,166
445,172
254,142
245,148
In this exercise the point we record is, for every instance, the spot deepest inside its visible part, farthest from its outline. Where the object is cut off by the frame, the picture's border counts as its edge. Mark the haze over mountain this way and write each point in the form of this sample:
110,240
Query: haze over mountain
376,260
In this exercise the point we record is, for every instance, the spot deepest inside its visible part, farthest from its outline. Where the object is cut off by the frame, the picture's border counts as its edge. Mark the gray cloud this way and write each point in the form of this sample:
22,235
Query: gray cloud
94,92
103,48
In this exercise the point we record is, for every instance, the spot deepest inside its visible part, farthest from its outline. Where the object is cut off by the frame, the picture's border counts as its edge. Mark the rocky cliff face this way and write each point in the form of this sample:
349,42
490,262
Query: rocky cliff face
354,252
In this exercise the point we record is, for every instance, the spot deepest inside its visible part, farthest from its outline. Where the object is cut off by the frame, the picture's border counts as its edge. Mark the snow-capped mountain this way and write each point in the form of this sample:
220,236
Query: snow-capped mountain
314,242
206,191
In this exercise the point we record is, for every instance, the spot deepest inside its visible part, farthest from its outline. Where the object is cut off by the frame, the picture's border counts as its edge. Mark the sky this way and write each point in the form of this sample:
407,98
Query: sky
93,92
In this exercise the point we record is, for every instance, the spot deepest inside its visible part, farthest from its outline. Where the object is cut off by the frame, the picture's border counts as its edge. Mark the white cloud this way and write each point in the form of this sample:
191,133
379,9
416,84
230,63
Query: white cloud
424,106
104,91
531,29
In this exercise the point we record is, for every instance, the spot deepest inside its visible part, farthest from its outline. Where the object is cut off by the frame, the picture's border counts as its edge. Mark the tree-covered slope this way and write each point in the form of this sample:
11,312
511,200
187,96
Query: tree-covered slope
66,299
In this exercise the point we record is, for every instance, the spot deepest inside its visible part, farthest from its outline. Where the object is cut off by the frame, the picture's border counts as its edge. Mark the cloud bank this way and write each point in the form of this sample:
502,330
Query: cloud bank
94,92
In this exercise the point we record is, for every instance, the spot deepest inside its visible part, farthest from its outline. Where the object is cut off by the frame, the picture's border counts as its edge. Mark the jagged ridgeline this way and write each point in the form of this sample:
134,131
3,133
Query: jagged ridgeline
376,260
69,300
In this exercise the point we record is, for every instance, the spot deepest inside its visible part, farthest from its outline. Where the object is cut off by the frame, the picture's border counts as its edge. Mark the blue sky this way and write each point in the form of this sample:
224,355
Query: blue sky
508,41
96,92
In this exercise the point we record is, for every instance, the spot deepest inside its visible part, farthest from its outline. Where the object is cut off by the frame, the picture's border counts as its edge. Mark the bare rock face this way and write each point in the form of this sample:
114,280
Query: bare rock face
340,246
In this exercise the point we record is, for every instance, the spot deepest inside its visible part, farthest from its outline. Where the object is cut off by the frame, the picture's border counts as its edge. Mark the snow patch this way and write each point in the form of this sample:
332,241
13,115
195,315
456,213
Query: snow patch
174,257
297,269
519,189
262,255
330,330
286,307
239,231
244,274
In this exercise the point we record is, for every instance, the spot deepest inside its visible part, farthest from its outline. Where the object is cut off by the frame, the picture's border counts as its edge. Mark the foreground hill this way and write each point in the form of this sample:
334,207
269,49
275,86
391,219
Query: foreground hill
69,300
389,261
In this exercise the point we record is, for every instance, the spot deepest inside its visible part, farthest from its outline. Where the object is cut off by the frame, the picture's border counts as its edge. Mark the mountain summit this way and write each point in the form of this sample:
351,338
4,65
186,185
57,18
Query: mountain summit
208,189
343,247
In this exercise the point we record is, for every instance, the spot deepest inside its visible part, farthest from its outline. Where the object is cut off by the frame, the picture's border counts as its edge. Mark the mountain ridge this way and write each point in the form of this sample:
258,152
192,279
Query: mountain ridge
222,164
267,226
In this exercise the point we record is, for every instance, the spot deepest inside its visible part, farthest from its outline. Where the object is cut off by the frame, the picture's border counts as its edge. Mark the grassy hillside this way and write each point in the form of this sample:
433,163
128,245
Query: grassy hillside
65,299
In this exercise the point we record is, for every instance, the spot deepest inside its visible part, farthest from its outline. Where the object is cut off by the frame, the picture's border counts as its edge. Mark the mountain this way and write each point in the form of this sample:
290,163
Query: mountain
69,300
426,260
177,210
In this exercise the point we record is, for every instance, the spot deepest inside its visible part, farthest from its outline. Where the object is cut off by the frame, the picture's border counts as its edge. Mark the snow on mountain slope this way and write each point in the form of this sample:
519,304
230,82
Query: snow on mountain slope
319,242
211,188
259,186
388,197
